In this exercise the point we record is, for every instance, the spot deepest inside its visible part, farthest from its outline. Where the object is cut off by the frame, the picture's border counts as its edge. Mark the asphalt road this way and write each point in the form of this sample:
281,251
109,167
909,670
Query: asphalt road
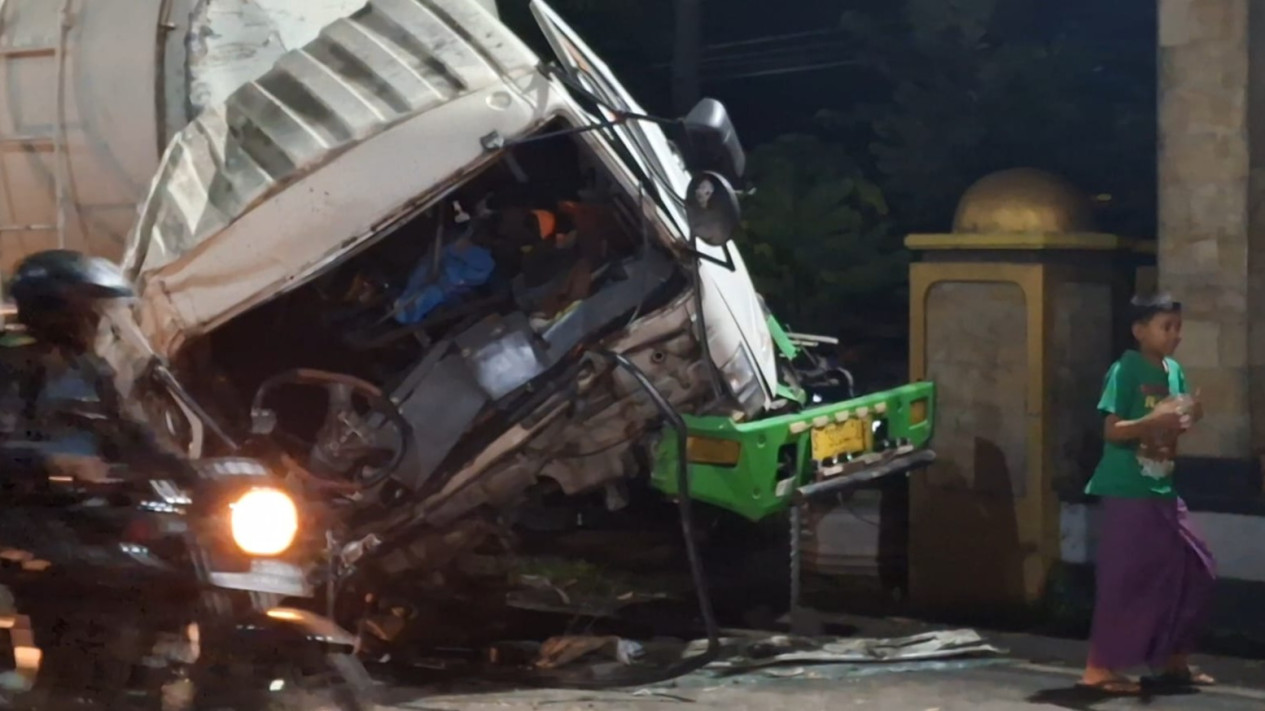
972,687
1035,674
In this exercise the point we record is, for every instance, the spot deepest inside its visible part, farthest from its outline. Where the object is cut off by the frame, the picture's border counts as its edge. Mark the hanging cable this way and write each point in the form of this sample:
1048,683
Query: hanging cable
640,677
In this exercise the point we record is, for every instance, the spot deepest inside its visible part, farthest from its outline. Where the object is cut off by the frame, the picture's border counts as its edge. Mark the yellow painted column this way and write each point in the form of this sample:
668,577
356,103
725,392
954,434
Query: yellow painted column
1016,330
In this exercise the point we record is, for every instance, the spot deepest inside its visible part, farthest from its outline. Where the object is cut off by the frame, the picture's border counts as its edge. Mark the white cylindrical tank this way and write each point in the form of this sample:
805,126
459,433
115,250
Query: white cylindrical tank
78,121
91,91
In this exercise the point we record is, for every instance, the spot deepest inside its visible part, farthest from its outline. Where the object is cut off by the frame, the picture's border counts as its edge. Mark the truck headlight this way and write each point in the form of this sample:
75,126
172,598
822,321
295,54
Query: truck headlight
744,381
264,521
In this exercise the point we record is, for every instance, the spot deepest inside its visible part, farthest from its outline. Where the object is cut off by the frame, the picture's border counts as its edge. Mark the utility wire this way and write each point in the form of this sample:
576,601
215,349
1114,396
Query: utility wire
776,71
775,57
771,45
776,52
766,39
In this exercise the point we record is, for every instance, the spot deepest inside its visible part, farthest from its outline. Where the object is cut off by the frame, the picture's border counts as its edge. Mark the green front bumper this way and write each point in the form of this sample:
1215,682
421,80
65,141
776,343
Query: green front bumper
775,458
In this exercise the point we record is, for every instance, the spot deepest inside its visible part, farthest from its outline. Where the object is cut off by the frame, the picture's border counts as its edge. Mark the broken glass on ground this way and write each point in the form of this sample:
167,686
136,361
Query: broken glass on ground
762,650
560,651
749,651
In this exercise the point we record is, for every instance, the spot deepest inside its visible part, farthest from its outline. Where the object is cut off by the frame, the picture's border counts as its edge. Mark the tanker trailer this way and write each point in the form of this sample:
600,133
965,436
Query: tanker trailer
92,92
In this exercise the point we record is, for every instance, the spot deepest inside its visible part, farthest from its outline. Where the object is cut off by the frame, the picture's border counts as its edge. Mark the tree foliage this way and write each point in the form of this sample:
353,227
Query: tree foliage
966,87
974,90
816,232
974,86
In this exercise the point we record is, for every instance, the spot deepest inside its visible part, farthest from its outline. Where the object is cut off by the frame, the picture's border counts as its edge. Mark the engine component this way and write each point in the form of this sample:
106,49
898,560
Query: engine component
502,353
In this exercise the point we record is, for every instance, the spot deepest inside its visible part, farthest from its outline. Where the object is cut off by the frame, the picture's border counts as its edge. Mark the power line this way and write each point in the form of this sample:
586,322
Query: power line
771,55
719,48
769,39
778,52
775,71
764,54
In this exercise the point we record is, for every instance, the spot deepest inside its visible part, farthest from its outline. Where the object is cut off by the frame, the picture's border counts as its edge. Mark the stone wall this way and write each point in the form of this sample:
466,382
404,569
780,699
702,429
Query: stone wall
1017,342
1212,228
977,357
968,546
1081,351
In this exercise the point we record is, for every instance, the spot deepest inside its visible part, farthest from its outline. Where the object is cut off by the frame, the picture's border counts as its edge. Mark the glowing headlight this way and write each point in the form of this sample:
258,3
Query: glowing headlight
264,521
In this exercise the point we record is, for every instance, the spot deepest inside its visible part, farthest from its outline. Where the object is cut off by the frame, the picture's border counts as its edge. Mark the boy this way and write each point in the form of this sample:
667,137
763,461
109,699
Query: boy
1155,574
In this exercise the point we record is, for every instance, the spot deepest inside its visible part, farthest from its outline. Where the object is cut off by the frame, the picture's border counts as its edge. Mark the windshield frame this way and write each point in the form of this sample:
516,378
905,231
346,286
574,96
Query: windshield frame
615,114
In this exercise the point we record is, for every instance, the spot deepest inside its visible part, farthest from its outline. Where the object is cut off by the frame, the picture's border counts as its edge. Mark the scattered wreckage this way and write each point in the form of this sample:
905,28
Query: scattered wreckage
437,282
600,661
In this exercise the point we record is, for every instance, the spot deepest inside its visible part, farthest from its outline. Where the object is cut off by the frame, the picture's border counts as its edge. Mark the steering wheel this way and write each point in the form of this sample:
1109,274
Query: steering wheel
350,441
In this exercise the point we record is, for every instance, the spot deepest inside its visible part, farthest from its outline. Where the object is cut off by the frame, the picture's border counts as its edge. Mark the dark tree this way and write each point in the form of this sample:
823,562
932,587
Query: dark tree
818,235
984,85
929,96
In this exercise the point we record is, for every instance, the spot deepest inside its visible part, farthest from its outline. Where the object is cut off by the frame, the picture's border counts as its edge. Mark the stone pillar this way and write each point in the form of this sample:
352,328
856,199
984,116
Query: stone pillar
1012,317
1016,331
1212,216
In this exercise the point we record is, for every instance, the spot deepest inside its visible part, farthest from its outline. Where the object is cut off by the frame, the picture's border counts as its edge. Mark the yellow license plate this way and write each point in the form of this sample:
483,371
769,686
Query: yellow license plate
839,438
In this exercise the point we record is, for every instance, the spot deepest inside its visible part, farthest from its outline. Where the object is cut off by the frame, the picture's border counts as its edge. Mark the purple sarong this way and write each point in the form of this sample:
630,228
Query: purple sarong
1155,583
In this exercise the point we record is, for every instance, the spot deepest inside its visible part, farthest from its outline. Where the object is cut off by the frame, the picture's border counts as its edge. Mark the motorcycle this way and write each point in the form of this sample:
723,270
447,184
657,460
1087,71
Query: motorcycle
147,593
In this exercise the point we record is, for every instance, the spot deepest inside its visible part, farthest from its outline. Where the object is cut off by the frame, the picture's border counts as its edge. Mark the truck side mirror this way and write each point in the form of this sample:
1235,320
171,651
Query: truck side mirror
711,142
712,208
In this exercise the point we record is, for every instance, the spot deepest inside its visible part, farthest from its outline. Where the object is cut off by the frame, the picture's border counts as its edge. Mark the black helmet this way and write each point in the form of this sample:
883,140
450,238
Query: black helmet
58,289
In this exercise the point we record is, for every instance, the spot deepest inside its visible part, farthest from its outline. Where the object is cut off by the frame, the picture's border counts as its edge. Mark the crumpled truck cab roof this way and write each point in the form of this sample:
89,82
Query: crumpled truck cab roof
377,118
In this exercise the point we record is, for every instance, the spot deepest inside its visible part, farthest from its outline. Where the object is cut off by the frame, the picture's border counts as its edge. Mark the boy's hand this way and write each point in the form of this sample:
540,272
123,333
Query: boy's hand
1190,409
1166,416
1197,409
1167,422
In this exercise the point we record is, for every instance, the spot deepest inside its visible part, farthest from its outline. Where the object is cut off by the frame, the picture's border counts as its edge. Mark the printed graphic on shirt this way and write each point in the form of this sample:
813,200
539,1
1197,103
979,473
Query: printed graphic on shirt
1156,451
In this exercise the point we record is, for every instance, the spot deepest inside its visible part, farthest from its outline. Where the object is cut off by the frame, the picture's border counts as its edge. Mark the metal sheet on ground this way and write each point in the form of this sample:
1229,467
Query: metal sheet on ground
760,652
973,685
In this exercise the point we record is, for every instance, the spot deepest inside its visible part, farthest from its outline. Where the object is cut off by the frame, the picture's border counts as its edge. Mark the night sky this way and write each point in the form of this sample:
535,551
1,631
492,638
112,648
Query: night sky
765,107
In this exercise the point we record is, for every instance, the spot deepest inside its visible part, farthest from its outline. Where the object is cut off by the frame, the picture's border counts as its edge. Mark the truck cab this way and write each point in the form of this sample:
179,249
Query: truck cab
406,259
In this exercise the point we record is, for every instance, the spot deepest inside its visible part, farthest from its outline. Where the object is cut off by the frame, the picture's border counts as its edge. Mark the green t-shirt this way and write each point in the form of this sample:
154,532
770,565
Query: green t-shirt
1137,469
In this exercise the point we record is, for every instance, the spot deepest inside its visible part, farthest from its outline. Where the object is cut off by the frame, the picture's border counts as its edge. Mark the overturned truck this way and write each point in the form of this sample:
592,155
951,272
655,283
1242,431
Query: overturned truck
428,277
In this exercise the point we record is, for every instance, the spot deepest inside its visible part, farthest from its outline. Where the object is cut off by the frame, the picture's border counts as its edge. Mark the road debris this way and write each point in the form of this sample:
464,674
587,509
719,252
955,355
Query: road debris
746,657
560,651
745,653
563,586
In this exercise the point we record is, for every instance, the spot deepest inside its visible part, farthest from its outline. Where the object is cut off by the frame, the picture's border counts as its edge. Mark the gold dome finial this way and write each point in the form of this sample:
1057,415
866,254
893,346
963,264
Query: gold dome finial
1023,201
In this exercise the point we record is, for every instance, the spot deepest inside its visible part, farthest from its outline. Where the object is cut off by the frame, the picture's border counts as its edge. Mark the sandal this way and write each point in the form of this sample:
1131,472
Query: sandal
1189,676
1112,687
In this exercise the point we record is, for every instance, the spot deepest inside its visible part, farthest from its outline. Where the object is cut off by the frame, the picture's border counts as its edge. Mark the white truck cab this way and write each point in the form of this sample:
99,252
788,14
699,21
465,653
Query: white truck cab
409,140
